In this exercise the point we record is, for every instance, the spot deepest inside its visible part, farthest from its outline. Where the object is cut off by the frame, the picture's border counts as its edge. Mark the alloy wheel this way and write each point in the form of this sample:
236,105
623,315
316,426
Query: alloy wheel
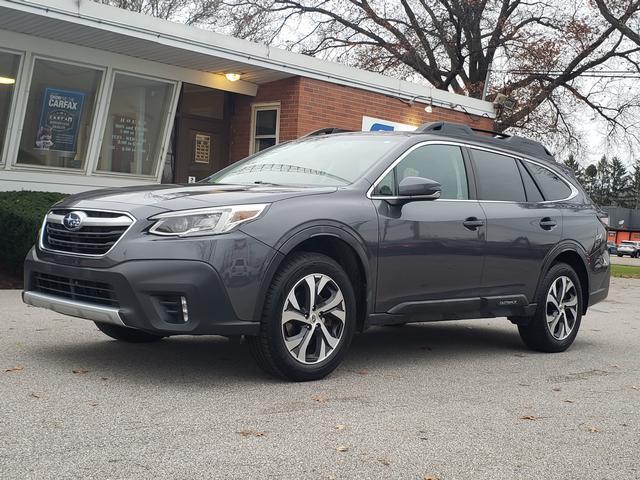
562,307
313,318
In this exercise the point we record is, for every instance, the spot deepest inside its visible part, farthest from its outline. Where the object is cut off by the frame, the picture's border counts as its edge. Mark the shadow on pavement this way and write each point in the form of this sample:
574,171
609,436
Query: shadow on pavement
215,359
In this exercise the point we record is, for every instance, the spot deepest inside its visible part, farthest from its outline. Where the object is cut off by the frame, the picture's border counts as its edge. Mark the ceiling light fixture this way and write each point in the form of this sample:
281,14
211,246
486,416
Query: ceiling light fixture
7,81
429,108
232,77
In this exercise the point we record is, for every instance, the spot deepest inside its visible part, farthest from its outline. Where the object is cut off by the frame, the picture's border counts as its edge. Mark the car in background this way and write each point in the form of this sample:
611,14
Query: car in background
629,247
612,247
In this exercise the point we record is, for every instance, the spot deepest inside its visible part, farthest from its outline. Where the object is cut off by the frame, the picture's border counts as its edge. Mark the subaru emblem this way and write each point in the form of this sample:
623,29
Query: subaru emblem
73,220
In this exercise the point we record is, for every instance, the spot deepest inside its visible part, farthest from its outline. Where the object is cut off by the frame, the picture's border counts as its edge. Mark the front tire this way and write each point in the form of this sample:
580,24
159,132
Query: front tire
556,322
124,334
308,319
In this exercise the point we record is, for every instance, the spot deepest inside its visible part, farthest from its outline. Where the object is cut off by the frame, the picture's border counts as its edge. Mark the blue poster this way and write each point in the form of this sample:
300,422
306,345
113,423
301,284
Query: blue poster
59,120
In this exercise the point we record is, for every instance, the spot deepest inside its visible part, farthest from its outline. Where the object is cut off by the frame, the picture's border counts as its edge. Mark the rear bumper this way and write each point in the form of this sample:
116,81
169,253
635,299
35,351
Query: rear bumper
139,286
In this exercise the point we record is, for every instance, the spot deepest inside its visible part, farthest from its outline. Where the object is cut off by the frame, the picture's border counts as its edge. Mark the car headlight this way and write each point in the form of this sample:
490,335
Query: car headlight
204,221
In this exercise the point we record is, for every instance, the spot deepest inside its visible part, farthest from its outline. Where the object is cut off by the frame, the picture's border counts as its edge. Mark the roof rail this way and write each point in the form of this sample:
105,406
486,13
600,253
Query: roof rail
514,142
326,131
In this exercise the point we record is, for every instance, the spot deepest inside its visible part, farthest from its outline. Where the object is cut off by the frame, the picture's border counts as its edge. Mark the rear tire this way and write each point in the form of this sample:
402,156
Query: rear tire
620,255
556,322
125,334
303,335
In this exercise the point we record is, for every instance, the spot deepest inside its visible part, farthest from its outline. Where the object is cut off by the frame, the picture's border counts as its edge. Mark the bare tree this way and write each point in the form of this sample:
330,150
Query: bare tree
547,55
615,14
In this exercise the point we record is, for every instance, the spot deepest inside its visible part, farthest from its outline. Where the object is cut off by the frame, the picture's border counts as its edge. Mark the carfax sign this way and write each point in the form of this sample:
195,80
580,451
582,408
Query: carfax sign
59,120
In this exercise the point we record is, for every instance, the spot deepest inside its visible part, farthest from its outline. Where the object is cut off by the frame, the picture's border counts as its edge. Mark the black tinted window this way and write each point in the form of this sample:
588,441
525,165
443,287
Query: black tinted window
530,187
442,163
553,188
498,177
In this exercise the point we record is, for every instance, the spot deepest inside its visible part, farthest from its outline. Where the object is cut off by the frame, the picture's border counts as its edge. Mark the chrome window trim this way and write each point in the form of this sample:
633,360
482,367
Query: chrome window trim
574,191
103,222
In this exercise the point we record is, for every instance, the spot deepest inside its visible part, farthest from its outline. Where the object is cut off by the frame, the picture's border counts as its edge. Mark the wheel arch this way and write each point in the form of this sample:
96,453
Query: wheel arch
337,242
575,256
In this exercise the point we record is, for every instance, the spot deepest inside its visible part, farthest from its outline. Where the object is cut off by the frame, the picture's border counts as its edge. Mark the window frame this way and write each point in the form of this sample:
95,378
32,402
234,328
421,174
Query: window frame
261,107
100,128
4,153
22,112
471,174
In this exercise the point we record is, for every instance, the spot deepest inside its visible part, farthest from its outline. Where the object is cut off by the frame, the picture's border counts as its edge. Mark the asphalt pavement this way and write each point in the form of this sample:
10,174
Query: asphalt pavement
448,400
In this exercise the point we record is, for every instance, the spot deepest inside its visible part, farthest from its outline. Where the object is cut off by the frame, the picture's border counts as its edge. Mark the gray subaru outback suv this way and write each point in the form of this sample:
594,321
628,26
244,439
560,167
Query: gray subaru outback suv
301,245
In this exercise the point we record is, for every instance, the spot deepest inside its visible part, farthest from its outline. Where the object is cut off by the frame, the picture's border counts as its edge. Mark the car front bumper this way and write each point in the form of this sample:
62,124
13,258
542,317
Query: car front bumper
138,290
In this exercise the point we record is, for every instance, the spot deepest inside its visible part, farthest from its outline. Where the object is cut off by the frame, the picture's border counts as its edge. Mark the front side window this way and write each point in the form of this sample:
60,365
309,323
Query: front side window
265,123
498,177
59,115
136,121
442,163
553,188
8,72
318,161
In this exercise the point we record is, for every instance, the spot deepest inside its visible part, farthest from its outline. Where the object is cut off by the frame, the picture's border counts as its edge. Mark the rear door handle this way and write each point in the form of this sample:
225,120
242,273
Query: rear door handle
473,223
548,223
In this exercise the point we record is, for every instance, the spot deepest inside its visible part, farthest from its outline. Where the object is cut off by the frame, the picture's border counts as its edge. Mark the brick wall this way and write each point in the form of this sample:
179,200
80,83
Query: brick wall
308,105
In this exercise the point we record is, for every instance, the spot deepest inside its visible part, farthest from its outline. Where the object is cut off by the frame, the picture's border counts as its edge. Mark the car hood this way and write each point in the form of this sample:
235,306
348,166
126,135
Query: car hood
183,197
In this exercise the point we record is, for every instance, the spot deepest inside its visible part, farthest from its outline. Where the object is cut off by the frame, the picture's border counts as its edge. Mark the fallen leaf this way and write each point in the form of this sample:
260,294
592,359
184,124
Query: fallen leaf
569,401
93,404
34,395
385,461
104,379
250,433
593,430
556,389
361,372
528,417
80,371
17,368
320,399
342,448
430,477
340,427
614,366
635,387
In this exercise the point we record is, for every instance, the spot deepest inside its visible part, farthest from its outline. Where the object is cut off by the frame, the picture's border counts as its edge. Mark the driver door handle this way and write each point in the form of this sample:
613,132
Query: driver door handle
473,223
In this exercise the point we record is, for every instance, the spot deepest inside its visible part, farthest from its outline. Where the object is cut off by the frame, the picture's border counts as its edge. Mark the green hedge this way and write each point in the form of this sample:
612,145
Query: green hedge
21,215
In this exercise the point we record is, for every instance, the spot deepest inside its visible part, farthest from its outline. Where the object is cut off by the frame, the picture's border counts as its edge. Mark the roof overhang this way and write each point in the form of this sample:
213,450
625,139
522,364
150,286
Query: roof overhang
91,24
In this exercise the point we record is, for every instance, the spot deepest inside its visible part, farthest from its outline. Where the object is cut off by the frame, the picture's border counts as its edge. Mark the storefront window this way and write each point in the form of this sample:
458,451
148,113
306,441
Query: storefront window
135,126
59,115
265,127
8,73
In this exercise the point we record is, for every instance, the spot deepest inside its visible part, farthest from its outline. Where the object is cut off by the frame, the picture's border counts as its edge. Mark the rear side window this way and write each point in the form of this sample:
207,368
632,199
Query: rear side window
530,187
442,163
552,186
498,177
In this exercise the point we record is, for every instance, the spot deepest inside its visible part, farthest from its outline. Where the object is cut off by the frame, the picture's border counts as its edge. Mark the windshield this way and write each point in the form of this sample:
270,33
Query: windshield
321,161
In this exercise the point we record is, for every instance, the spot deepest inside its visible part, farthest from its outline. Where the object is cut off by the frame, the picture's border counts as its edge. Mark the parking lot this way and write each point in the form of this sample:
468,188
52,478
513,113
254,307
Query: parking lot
444,400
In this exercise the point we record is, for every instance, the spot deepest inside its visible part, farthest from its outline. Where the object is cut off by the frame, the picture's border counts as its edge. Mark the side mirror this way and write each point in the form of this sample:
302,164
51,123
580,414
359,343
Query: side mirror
417,188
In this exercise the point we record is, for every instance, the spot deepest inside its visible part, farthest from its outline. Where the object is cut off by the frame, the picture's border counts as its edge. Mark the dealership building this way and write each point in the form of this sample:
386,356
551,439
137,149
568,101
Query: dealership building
92,96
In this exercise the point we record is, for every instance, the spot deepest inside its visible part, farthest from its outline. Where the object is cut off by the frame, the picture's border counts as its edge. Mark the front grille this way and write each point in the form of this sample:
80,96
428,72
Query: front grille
98,233
74,289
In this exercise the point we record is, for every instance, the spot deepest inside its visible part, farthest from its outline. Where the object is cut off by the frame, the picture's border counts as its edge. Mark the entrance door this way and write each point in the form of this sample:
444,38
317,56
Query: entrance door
202,133
202,149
